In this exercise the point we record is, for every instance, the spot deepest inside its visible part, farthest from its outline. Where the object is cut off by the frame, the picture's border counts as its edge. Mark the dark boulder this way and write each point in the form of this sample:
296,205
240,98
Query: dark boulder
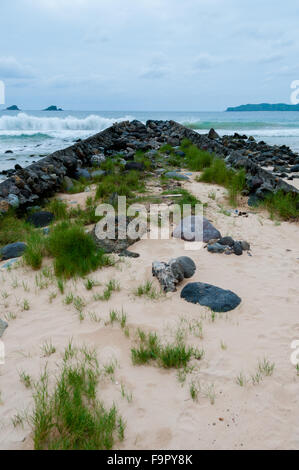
188,266
40,219
237,248
228,241
217,299
13,250
137,166
213,134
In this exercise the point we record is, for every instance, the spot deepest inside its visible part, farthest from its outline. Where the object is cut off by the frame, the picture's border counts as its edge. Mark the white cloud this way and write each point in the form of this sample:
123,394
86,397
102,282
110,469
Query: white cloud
11,68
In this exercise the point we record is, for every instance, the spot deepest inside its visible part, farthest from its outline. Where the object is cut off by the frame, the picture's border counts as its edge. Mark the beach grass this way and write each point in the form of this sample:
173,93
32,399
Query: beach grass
70,416
282,205
170,355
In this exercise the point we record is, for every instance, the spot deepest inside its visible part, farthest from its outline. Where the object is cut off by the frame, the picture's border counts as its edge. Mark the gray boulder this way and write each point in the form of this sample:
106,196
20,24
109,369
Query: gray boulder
174,174
13,250
82,173
13,200
188,266
217,299
216,248
196,228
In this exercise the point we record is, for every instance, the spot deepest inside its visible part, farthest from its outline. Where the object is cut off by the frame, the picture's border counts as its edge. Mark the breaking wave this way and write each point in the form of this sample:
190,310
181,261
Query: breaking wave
25,122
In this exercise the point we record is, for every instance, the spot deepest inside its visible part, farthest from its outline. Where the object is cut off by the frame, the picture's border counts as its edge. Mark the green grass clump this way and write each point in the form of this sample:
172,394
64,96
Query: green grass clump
234,181
59,209
123,184
217,173
36,250
166,149
13,229
141,157
74,251
283,205
172,355
71,417
198,159
147,290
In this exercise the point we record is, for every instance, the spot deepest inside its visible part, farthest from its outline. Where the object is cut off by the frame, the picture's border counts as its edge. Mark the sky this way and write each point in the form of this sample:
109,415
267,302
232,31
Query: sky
167,55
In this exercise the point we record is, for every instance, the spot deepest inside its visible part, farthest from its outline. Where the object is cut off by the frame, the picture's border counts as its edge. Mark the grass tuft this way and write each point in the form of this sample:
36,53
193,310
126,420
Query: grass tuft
71,417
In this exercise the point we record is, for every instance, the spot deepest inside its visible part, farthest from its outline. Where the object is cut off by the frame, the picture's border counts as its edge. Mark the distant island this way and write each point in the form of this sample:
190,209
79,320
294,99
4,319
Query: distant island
265,107
53,108
13,108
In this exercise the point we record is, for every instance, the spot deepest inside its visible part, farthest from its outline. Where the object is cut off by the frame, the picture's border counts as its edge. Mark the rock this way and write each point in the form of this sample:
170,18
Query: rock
237,248
253,200
229,241
137,166
196,228
165,275
264,190
98,173
295,168
82,173
68,183
4,206
216,248
13,200
213,134
245,245
53,108
217,299
13,250
97,160
188,266
3,326
116,242
172,273
40,219
174,174
13,108
9,263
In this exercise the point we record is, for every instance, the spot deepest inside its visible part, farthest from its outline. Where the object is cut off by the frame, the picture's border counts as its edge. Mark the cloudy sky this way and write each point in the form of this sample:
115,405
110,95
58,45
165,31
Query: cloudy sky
148,54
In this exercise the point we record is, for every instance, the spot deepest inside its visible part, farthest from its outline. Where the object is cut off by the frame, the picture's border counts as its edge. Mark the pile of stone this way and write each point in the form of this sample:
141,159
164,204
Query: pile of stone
228,246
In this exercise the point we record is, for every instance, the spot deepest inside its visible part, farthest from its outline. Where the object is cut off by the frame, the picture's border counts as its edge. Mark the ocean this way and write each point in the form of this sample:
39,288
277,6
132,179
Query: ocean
32,135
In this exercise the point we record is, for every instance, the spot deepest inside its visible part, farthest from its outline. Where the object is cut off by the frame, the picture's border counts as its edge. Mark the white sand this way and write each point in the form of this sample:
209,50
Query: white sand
162,414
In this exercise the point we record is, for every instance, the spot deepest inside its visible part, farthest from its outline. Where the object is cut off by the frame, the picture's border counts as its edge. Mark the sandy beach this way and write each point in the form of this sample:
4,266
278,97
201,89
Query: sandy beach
160,413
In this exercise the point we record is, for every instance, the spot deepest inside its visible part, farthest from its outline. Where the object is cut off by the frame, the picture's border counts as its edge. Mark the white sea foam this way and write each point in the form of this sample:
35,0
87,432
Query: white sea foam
26,122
